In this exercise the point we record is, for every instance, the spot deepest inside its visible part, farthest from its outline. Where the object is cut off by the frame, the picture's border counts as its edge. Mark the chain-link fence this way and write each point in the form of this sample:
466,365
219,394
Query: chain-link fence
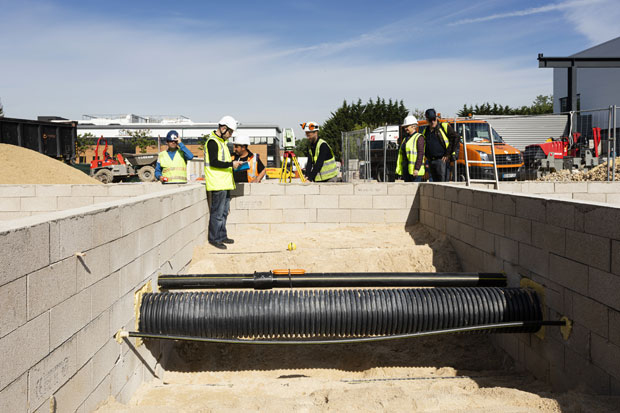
355,155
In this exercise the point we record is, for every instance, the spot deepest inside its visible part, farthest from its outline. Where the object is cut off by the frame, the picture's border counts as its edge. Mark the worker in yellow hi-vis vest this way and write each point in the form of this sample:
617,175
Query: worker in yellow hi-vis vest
171,167
441,141
410,161
322,166
219,180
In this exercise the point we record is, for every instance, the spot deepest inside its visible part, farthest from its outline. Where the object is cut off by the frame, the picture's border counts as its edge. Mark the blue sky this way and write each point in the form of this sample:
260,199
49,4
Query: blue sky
283,62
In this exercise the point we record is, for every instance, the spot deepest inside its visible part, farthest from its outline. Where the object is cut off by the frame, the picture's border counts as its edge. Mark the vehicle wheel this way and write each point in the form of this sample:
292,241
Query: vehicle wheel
146,174
104,176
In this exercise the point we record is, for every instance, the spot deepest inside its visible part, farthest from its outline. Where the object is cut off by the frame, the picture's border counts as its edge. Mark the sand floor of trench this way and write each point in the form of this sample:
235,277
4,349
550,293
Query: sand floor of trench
459,373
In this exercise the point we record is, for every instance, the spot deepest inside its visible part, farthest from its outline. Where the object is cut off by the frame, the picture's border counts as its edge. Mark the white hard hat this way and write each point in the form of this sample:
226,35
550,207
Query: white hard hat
241,140
309,126
410,120
228,121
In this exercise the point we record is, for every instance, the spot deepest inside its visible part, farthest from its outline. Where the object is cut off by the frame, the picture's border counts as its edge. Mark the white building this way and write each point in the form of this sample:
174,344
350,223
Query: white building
597,88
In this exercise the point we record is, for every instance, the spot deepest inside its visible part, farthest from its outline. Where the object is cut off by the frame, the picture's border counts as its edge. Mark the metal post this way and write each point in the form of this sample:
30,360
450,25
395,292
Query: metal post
385,153
493,154
367,155
465,154
613,151
572,88
345,169
609,138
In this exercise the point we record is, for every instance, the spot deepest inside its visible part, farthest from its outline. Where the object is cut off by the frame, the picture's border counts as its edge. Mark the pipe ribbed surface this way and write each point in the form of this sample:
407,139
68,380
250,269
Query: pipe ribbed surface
334,313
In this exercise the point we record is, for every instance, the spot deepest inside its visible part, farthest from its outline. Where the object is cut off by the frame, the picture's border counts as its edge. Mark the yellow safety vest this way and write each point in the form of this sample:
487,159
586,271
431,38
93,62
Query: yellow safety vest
173,169
330,168
411,152
253,171
218,179
444,133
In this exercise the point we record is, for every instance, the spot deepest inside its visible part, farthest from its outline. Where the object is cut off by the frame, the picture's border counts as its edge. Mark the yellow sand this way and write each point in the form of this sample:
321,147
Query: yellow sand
24,166
461,373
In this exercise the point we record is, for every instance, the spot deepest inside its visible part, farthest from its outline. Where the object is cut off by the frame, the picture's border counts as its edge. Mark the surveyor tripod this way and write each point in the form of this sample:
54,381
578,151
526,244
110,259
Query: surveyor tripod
286,171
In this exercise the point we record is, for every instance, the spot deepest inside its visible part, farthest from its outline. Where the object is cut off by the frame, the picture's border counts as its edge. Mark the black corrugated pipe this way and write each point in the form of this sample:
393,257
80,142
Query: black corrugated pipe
299,279
308,314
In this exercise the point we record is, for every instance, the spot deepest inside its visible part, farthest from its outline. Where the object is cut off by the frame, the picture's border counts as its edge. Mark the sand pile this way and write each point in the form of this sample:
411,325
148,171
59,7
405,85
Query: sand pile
24,166
461,373
598,173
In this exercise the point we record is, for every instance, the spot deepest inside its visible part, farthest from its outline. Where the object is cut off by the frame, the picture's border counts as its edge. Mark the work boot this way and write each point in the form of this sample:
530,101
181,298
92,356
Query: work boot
218,245
228,241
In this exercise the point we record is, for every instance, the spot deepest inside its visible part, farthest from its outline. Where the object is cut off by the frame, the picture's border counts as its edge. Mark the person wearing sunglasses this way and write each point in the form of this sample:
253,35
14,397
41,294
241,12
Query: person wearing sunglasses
219,180
321,165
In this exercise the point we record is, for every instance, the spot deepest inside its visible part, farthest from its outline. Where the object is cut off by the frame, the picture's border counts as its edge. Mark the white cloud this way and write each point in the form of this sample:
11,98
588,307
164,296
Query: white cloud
596,20
98,67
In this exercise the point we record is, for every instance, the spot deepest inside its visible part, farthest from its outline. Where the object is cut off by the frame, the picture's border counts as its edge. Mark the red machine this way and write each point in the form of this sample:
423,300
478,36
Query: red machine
106,159
108,168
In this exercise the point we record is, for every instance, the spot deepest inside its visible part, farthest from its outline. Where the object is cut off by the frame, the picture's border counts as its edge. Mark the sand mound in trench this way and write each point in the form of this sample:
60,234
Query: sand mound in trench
463,373
24,166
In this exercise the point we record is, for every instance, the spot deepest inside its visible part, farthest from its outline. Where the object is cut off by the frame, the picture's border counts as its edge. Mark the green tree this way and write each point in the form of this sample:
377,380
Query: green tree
140,137
542,104
1,110
353,116
83,142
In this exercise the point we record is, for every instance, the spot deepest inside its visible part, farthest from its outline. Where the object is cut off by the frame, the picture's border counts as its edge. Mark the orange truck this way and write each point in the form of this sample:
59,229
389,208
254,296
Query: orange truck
509,159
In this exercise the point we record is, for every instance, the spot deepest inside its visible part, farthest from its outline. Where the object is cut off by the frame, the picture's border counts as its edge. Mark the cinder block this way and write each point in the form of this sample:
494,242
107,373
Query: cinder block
355,201
7,216
146,235
426,218
475,217
51,373
251,202
92,338
89,190
74,202
425,201
266,216
493,222
124,250
567,196
14,398
254,227
13,359
549,237
50,286
106,292
238,216
10,204
322,201
268,189
518,229
590,197
106,226
391,202
581,371
466,196
335,189
531,208
294,228
514,187
504,204
44,203
322,226
17,191
507,249
302,189
52,190
69,316
571,187
413,201
485,241
612,199
333,215
122,312
606,355
133,383
98,396
439,191
374,188
536,364
602,221
299,215
450,194
459,213
589,249
614,327
93,266
126,190
433,205
561,214
76,390
592,314
368,215
70,235
401,216
534,259
568,273
133,217
105,359
604,287
12,305
287,201
23,250
439,222
482,200
402,188
467,233
538,187
603,188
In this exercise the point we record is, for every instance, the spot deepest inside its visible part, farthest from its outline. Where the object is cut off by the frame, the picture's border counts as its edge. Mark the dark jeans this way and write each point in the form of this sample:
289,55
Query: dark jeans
411,178
438,170
219,206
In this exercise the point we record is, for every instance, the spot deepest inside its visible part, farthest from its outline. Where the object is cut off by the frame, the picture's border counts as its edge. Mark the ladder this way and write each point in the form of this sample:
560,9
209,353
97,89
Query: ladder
469,162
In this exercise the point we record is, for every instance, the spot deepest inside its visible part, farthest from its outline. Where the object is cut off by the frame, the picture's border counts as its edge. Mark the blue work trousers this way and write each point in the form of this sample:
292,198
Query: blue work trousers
219,206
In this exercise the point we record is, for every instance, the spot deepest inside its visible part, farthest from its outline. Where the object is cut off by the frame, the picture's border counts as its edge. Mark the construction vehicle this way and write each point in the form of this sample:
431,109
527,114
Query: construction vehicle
108,169
384,144
509,159
573,152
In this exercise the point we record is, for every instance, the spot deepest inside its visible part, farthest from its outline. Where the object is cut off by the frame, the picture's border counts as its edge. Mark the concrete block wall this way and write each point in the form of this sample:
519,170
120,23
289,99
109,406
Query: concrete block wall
67,283
297,207
18,201
570,247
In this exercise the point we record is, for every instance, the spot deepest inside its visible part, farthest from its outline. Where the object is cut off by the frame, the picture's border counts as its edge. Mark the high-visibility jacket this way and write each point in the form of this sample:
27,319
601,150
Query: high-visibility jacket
443,131
411,153
218,179
330,168
253,170
173,169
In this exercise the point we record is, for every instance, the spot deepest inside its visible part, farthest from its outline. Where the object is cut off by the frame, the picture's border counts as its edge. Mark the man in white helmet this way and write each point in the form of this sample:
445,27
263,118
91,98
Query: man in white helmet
321,165
252,168
410,161
219,180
